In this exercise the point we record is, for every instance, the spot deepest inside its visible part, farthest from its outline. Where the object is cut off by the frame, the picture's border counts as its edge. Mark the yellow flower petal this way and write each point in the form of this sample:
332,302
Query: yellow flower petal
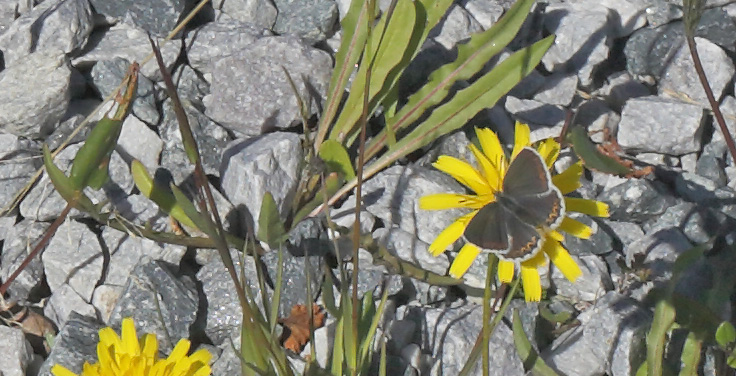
532,284
129,337
450,234
58,370
549,149
575,228
490,172
179,351
569,180
464,173
505,270
150,346
464,259
562,260
492,148
444,201
585,206
521,138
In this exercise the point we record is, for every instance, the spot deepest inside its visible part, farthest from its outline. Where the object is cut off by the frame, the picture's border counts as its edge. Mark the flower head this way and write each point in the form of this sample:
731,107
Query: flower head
487,182
124,356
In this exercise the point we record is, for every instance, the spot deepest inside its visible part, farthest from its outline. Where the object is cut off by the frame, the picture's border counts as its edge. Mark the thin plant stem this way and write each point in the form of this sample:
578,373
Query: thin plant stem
709,94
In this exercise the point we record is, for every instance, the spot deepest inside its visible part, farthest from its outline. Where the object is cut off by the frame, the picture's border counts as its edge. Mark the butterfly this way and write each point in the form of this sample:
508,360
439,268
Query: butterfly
527,206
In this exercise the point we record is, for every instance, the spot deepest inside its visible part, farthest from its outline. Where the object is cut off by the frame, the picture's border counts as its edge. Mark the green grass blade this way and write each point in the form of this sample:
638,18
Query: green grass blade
664,317
270,227
472,57
336,158
532,360
388,45
355,34
73,196
593,159
366,347
162,197
690,358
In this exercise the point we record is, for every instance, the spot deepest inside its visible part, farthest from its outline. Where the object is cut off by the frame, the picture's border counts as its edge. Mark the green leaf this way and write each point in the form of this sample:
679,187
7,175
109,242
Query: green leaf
731,360
336,158
90,165
270,227
690,358
72,195
725,334
472,57
664,317
531,359
591,156
387,46
331,185
161,196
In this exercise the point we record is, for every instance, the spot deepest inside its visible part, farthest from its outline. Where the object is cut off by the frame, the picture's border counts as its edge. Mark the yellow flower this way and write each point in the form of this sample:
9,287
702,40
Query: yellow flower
486,180
124,357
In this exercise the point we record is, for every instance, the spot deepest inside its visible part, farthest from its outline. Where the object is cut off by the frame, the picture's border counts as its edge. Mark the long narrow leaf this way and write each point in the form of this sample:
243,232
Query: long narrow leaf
532,360
472,57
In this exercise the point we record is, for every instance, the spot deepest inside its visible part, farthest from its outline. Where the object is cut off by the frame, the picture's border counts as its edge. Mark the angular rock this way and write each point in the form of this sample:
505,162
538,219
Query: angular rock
125,253
711,164
600,242
19,242
637,200
629,15
557,90
259,13
311,20
75,344
107,76
17,166
16,350
593,284
217,40
129,43
158,18
63,302
252,167
211,138
454,144
678,77
458,25
34,95
485,12
408,248
619,88
659,250
159,301
250,92
137,141
345,216
295,270
74,257
451,331
224,314
545,120
584,37
610,339
393,196
660,125
626,232
54,26
104,299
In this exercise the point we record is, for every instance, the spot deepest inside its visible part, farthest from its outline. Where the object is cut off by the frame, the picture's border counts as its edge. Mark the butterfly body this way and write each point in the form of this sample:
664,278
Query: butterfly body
528,206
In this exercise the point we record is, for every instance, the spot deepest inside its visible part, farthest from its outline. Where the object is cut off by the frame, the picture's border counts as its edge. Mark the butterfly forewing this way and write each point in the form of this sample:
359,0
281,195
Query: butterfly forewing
486,229
526,175
541,210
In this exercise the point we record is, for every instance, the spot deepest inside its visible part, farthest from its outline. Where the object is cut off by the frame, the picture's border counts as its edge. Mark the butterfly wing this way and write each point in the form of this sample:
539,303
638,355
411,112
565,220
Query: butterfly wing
524,240
539,210
527,174
487,229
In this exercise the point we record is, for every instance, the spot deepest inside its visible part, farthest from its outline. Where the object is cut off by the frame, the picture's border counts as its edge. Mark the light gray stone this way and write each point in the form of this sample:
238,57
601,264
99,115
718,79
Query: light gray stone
217,40
16,350
458,25
697,222
393,196
19,242
544,120
626,232
126,251
584,37
57,27
450,332
63,302
75,344
699,189
224,314
345,216
260,13
660,125
74,257
408,248
17,166
659,250
593,284
159,301
311,20
127,42
158,18
34,95
557,90
140,142
679,78
637,200
107,76
619,88
610,340
270,163
250,92
104,299
486,12
630,15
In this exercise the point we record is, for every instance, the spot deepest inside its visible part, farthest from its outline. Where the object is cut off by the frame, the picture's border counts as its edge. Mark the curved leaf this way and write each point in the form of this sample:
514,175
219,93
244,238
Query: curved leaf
591,156
162,197
336,158
532,360
725,334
